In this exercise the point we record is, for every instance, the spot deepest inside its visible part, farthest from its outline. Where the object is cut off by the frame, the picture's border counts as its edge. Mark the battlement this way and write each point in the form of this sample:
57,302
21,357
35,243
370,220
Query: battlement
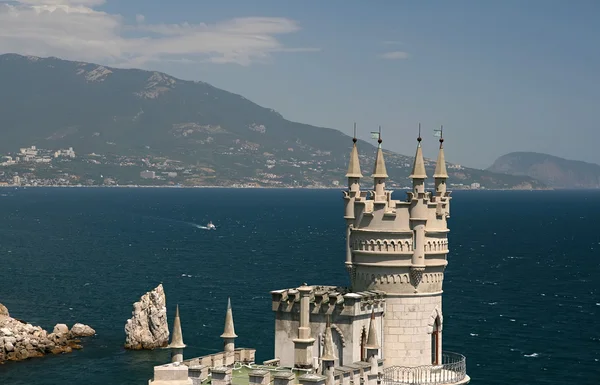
391,214
329,300
215,360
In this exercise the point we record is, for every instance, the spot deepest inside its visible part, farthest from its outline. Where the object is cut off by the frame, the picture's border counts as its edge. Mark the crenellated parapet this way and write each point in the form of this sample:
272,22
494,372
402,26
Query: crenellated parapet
408,237
329,300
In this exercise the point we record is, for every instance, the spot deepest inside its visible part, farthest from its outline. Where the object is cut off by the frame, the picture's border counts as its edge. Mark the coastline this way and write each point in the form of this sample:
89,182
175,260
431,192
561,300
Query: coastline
264,187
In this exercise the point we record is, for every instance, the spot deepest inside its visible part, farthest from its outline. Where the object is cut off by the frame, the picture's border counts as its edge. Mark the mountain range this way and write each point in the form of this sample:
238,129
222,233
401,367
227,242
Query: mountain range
551,170
123,121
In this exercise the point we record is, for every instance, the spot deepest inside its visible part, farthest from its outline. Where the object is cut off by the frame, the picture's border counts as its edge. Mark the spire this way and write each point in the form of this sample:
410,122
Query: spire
379,170
354,165
177,336
372,336
440,167
418,171
328,354
229,331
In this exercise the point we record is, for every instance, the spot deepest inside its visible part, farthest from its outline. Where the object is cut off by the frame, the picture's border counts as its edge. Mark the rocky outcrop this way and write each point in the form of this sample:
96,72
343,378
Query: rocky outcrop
60,329
81,330
148,328
20,340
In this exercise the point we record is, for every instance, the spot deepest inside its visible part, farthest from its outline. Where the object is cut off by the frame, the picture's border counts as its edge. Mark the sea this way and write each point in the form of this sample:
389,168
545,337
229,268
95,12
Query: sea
521,290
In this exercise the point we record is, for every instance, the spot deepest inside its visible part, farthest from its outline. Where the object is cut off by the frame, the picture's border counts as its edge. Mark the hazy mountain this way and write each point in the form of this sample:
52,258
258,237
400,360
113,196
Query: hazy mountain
134,119
550,170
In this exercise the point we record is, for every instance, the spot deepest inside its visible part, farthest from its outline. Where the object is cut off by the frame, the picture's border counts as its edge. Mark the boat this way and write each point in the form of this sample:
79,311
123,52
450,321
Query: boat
210,226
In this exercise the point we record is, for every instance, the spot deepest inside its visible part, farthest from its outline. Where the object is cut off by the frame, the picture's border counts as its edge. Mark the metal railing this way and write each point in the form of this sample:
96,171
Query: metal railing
453,369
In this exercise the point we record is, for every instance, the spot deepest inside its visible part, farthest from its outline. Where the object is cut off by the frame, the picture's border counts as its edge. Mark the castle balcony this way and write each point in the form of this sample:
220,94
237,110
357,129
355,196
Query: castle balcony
453,370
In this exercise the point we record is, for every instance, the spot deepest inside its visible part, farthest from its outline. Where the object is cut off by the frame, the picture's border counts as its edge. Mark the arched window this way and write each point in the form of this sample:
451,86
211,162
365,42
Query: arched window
435,343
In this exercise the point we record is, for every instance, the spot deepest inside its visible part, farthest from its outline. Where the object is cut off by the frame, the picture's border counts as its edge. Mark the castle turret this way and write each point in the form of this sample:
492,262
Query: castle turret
419,174
372,347
229,335
440,174
418,211
303,345
350,196
354,173
176,344
379,173
328,358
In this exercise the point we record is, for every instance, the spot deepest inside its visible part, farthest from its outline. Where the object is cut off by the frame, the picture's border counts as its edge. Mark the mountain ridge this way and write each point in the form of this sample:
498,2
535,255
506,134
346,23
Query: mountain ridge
137,119
549,169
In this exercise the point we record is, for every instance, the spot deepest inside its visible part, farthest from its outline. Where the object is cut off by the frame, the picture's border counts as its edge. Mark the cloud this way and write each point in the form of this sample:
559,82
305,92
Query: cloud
395,55
88,3
78,30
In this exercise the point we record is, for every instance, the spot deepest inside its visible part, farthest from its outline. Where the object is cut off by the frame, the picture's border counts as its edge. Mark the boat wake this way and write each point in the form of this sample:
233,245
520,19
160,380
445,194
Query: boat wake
209,226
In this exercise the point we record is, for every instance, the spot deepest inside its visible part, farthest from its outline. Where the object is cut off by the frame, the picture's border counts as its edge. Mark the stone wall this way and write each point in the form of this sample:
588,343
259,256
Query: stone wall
408,328
346,332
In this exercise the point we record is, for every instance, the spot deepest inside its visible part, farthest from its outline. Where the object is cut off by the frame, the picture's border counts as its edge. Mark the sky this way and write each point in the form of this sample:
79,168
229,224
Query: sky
501,76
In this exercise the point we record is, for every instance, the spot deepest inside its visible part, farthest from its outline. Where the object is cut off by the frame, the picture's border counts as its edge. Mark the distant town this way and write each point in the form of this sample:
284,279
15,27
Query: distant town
63,167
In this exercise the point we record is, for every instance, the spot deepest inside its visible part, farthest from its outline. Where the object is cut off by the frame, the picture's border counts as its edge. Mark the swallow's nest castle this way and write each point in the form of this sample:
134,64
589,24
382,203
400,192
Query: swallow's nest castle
387,328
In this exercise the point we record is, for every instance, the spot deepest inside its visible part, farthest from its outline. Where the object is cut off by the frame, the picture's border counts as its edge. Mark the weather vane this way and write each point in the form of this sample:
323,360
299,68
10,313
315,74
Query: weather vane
376,135
439,133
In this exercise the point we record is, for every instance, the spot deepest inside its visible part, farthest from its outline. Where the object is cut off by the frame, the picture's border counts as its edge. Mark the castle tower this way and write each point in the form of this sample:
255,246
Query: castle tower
400,247
392,316
328,358
176,344
229,335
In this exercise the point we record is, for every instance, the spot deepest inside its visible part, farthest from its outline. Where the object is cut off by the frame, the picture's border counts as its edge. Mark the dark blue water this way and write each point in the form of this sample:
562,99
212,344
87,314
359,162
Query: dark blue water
521,293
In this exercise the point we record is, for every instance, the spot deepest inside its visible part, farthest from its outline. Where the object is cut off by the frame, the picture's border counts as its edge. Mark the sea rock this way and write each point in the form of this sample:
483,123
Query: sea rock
20,340
148,328
60,329
81,330
4,311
